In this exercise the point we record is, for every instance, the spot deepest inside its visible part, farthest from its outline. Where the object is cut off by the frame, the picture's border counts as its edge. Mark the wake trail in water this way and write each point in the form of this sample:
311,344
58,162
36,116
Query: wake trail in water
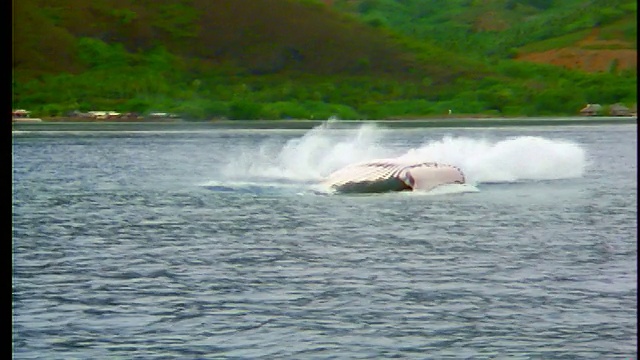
310,158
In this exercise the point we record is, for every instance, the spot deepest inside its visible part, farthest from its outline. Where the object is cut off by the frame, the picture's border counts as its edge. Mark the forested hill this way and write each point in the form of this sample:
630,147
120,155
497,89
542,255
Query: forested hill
504,28
271,59
259,36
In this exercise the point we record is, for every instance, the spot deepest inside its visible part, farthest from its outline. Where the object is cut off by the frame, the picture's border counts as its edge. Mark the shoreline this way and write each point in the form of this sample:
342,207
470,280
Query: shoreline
60,124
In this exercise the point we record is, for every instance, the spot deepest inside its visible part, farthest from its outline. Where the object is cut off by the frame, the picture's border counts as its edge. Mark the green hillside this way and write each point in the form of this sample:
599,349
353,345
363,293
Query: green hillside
259,36
495,27
270,59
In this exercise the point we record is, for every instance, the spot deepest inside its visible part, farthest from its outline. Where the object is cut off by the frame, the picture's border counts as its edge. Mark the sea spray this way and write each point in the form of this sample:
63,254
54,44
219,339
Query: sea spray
308,158
324,149
514,159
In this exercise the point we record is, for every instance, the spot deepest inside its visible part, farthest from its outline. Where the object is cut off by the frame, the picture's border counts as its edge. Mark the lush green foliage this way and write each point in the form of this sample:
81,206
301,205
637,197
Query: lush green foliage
207,59
495,27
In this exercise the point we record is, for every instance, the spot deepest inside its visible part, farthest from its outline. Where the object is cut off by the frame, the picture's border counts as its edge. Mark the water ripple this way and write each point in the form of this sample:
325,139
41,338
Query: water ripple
118,257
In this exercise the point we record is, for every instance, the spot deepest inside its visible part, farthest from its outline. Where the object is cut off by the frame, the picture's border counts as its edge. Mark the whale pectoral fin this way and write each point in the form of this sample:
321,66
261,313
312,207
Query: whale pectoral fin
427,178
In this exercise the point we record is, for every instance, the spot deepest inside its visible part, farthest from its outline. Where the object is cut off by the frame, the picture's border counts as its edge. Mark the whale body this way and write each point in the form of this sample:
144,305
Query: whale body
393,175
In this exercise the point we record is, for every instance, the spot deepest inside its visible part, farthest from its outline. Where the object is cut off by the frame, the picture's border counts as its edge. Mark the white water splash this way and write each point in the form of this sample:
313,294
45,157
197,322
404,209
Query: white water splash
310,157
514,159
323,150
445,189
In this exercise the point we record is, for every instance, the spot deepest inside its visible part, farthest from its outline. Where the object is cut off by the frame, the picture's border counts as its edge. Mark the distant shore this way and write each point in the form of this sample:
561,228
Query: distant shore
61,123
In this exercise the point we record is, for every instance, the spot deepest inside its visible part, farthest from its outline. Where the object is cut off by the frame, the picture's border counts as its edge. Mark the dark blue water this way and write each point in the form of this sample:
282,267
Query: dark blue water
219,244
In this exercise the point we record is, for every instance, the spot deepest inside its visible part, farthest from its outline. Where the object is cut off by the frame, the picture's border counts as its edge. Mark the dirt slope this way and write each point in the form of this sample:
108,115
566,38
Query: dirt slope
590,54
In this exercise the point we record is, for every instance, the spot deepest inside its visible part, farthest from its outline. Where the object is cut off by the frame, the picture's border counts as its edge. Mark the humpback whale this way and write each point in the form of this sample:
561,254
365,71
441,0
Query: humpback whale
393,175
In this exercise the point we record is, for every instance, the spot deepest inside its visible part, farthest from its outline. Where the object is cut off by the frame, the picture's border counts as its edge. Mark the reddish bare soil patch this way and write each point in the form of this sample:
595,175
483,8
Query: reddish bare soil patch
583,58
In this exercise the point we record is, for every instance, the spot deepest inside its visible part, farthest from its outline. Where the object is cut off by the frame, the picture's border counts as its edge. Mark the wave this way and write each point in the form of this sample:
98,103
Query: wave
509,160
298,165
324,149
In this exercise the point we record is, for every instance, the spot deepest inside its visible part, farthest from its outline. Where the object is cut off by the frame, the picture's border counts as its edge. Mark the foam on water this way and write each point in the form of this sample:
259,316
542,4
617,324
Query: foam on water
509,160
322,150
447,189
311,157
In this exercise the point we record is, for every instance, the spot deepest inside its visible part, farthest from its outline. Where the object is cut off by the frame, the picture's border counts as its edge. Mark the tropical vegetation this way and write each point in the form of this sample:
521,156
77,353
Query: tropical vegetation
308,59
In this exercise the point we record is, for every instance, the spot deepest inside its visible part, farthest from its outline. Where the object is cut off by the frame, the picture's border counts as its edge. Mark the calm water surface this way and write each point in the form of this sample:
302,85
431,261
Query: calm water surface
219,244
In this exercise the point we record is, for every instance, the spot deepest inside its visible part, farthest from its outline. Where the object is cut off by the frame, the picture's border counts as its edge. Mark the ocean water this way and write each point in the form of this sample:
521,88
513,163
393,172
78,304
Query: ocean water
219,243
